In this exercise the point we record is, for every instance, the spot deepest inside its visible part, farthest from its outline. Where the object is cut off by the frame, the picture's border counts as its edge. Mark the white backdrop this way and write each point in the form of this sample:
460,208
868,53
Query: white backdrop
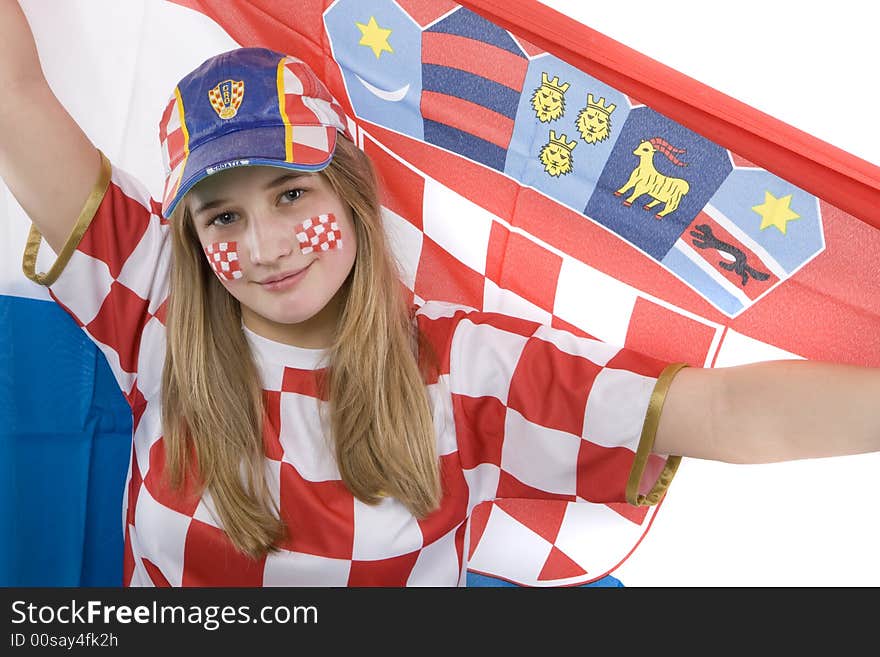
796,524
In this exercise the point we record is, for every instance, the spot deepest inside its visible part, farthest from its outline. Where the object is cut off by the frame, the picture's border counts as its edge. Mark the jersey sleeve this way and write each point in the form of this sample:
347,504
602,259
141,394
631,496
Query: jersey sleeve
111,275
541,413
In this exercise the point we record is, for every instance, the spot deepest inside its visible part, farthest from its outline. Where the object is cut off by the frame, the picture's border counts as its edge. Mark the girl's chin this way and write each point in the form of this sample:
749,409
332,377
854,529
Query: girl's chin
293,316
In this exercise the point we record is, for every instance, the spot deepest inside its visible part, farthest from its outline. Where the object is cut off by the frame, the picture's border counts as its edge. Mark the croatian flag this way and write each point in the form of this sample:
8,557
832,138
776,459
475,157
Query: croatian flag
530,167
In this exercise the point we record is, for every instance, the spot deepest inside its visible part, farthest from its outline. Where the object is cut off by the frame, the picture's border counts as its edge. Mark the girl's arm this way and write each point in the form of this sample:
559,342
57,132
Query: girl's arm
771,411
46,160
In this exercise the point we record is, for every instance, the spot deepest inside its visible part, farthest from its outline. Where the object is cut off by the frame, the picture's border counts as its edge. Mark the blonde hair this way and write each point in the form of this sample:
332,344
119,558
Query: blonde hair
378,412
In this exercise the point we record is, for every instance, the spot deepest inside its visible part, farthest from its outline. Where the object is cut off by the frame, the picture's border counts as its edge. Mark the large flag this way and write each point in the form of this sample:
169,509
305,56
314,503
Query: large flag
530,167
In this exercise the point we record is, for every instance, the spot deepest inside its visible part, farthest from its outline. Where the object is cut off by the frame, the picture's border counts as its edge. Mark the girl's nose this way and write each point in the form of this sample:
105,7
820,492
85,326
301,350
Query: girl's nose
268,239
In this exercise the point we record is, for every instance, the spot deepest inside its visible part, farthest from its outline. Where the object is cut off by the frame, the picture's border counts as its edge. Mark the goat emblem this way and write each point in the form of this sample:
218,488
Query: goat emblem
645,179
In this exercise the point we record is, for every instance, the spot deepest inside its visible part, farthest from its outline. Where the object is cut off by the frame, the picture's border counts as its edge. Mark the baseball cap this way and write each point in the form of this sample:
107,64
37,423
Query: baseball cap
246,107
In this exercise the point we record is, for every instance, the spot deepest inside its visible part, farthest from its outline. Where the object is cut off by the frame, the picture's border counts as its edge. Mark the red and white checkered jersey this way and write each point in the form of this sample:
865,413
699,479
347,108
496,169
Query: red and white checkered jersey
521,410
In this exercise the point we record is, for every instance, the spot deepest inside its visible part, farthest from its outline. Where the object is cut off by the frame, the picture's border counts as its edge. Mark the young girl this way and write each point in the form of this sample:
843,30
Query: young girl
295,421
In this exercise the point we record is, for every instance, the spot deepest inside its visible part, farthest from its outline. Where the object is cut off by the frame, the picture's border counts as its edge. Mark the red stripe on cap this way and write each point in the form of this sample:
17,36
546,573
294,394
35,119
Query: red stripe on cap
166,117
305,154
176,145
296,111
472,56
307,79
468,117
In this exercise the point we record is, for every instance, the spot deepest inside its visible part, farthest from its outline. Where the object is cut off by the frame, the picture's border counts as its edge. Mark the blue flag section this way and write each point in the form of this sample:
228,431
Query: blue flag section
64,451
381,47
471,110
658,176
567,123
755,232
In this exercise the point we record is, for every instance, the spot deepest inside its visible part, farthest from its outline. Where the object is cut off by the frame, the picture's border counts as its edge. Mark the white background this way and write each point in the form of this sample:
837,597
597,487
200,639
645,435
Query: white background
810,64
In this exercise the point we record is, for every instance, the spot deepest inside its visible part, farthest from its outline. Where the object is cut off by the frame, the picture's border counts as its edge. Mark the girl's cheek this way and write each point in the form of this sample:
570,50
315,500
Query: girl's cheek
223,258
319,234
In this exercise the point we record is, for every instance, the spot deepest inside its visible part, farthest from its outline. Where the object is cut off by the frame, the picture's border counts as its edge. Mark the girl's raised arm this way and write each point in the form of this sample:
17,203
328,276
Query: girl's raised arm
46,160
771,411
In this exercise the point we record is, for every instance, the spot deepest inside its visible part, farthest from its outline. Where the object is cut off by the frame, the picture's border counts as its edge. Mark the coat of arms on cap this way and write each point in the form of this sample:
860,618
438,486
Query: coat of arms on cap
226,98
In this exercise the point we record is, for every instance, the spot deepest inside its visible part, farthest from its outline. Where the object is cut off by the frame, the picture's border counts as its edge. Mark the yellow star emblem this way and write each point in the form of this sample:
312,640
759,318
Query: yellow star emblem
374,37
775,212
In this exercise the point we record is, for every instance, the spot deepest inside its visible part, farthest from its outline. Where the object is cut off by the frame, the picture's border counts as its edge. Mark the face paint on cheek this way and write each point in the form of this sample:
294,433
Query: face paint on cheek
223,258
319,234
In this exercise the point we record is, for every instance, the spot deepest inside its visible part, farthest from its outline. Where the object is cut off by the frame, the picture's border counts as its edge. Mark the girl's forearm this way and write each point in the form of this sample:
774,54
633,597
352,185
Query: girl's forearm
771,411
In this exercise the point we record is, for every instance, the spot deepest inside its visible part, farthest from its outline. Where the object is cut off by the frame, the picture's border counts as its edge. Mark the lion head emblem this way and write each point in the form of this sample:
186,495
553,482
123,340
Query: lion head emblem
548,101
556,155
594,121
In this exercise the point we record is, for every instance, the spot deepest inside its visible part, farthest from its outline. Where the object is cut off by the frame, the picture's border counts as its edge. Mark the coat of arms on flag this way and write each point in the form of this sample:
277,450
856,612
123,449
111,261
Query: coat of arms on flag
487,96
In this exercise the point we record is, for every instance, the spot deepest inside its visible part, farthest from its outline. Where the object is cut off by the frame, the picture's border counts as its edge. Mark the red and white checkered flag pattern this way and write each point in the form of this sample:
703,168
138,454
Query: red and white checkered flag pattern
451,248
319,233
321,107
223,258
172,141
313,122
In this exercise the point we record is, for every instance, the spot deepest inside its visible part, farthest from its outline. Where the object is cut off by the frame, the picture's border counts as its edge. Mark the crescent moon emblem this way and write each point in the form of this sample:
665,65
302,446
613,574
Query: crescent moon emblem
394,96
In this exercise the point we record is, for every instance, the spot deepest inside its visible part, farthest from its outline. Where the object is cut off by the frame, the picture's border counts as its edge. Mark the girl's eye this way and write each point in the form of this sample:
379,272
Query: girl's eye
291,194
222,219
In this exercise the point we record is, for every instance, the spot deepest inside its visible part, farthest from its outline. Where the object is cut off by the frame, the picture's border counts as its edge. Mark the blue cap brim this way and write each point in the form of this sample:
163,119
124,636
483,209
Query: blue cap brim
263,146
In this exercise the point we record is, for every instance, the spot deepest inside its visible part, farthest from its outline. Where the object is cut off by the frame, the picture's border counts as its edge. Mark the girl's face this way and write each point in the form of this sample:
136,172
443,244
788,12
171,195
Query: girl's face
282,242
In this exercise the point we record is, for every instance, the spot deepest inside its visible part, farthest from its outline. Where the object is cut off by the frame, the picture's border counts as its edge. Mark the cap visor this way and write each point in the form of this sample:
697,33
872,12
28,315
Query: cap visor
310,148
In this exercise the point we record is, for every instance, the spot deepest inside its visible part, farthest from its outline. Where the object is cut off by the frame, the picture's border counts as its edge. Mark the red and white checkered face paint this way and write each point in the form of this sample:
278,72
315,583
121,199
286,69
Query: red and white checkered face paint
223,258
319,234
